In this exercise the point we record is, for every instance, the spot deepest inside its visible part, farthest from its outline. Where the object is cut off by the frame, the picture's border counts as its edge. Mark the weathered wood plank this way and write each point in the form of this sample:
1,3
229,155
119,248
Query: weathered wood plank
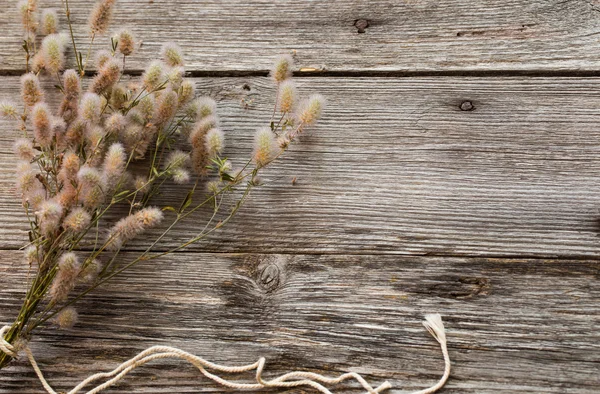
397,167
513,325
407,36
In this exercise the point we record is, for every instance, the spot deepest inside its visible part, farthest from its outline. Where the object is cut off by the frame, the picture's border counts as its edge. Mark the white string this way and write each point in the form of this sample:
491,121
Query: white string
433,324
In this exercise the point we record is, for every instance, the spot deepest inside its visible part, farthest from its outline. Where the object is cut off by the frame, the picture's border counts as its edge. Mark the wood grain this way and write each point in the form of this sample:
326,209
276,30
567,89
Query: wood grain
402,36
397,167
514,325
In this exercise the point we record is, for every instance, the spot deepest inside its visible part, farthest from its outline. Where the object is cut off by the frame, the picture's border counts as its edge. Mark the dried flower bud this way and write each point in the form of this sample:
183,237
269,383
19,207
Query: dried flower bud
48,215
213,187
146,108
38,62
310,109
100,16
118,97
180,176
177,159
175,76
42,128
69,168
166,107
72,83
102,57
32,256
28,10
186,92
114,166
141,184
215,142
23,148
91,107
69,268
90,271
90,187
49,22
172,54
27,182
153,76
287,96
30,89
265,146
282,69
108,75
53,50
115,124
126,42
77,221
131,226
76,131
8,110
67,318
201,107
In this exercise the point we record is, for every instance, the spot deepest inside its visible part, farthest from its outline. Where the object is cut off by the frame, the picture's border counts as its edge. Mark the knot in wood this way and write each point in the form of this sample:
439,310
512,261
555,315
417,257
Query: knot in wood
466,106
361,25
269,277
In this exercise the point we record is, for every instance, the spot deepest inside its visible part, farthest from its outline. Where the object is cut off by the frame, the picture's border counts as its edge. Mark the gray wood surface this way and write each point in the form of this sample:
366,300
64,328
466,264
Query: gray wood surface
514,325
456,171
402,35
396,167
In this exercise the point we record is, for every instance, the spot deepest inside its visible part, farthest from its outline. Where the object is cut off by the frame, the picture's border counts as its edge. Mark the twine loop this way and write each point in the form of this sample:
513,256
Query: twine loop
4,345
433,324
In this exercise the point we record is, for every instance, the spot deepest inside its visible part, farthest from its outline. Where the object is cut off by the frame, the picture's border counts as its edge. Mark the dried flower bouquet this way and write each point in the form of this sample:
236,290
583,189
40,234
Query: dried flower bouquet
109,147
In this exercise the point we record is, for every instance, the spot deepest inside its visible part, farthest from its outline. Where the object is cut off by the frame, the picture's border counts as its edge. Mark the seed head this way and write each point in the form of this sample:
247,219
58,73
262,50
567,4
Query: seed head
30,89
201,107
175,76
77,221
186,92
108,75
129,227
48,215
100,16
28,10
287,96
310,109
49,22
38,62
67,318
265,146
172,54
102,57
215,142
177,159
90,271
69,268
200,129
118,96
282,69
76,131
126,42
114,166
90,187
180,176
166,107
53,50
8,110
23,148
41,121
116,123
153,76
91,107
32,256
146,108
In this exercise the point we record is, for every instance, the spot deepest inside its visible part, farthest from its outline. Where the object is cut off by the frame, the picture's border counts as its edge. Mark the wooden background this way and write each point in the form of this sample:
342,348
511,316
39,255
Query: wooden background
456,171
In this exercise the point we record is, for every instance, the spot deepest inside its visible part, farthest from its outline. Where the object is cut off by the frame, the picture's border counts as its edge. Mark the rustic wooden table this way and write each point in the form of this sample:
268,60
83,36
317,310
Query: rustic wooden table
457,170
